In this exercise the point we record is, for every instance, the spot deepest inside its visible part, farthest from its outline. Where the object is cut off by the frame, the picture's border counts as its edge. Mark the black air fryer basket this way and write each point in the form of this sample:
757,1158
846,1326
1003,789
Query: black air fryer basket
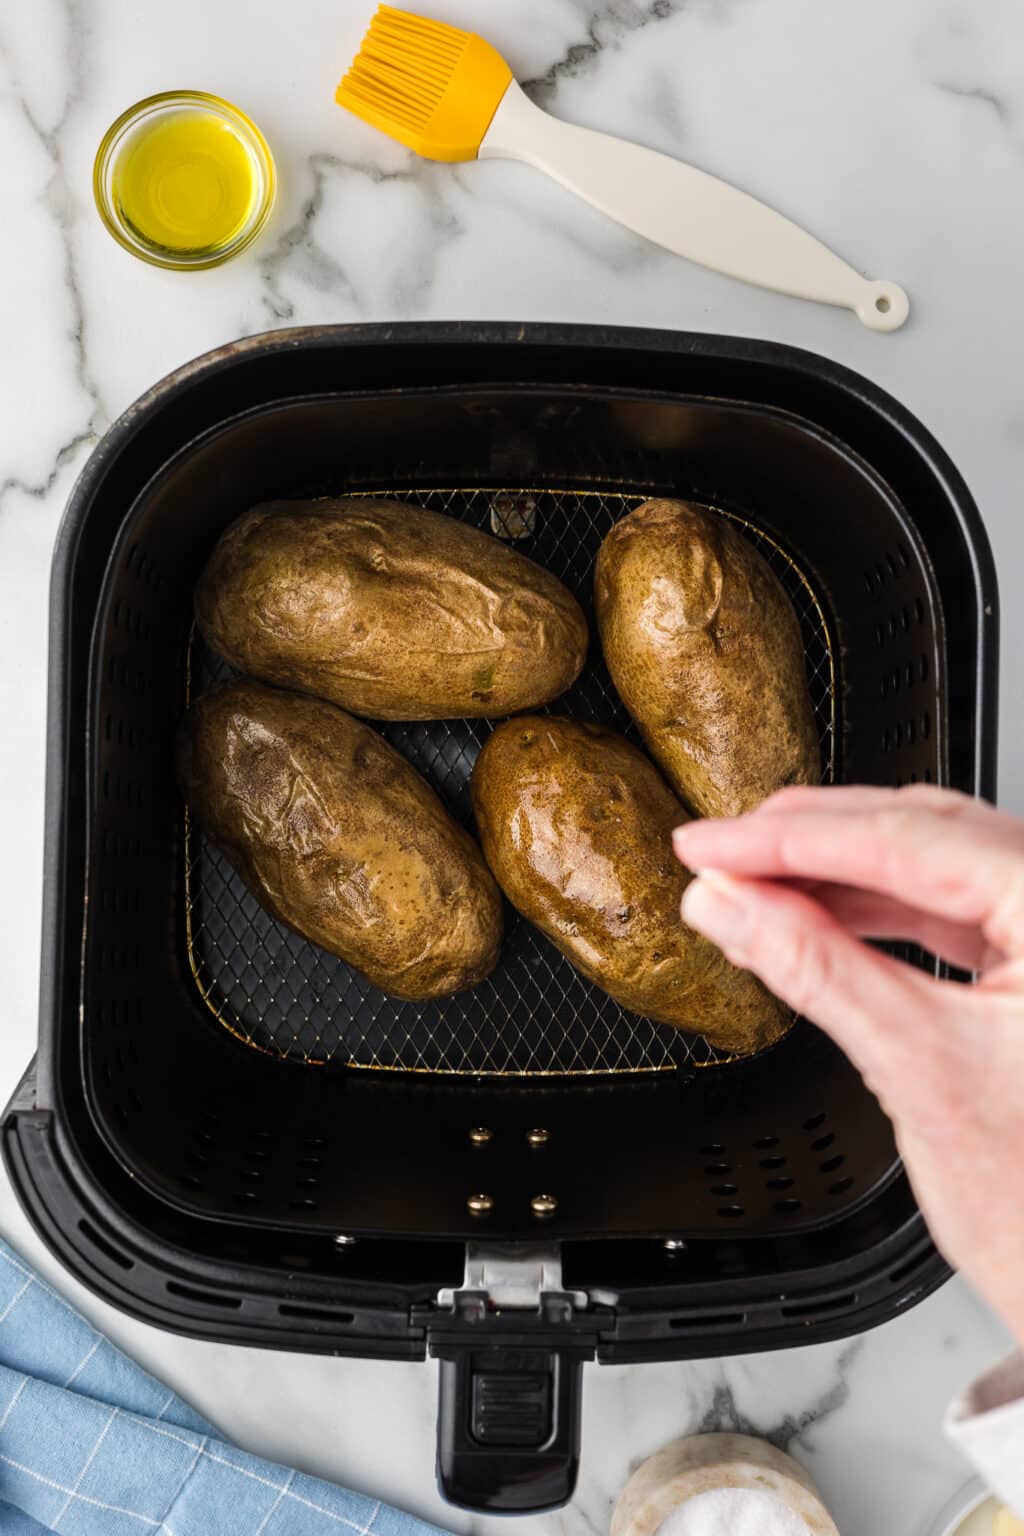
230,1134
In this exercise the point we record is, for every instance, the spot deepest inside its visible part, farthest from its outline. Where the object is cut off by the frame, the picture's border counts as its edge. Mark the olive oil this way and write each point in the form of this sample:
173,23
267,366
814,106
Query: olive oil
185,182
184,179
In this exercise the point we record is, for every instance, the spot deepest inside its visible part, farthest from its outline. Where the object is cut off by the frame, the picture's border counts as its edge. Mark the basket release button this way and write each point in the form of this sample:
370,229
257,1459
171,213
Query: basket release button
512,1407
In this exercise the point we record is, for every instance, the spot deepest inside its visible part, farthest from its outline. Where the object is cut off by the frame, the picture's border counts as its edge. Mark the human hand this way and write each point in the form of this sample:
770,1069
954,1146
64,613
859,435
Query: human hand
789,890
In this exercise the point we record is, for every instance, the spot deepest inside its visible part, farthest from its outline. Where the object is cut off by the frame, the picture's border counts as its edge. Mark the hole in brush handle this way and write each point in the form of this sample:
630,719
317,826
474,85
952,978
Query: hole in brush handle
883,306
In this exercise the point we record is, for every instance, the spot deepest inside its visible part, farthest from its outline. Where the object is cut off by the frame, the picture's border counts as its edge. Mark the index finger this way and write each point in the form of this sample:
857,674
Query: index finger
941,858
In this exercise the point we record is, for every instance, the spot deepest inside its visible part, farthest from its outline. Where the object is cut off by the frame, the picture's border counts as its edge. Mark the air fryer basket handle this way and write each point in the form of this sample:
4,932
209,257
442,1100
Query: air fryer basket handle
508,1427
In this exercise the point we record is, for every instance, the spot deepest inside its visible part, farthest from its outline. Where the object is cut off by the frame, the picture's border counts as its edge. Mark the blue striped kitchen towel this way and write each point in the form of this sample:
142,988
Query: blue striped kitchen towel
91,1445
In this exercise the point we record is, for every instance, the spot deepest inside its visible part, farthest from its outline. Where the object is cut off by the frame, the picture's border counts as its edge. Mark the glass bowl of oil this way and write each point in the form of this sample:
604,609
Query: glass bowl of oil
184,180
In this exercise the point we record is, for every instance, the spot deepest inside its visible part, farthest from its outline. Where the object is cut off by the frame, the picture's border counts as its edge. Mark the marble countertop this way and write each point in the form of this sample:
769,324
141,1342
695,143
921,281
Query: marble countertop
895,132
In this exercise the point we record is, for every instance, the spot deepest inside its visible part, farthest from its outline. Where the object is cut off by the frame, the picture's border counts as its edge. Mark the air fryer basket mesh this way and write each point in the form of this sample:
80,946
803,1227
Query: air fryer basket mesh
535,1015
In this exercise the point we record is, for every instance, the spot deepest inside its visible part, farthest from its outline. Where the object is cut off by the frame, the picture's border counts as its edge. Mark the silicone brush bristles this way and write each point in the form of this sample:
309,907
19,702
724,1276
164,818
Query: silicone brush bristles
433,87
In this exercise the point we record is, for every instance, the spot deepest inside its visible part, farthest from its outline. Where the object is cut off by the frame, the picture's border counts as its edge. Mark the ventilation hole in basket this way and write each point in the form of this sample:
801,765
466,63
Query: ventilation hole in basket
909,674
926,726
911,731
262,1135
716,1320
812,1308
904,619
258,1154
904,558
919,610
778,1183
764,1142
904,1271
712,1149
869,583
885,685
891,627
897,735
787,1207
309,1183
815,1120
724,1189
244,1196
315,1314
306,1162
713,1169
191,1181
886,739
894,681
891,563
841,1186
731,1212
197,1159
823,1142
207,1298
879,576
879,635
254,1175
314,1141
97,1239
206,1137
832,1164
302,1205
768,1163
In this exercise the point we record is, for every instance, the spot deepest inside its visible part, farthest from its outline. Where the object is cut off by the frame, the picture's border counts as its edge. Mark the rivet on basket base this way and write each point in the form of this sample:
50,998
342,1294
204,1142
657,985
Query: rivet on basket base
538,1137
674,1245
480,1135
344,1240
480,1205
543,1205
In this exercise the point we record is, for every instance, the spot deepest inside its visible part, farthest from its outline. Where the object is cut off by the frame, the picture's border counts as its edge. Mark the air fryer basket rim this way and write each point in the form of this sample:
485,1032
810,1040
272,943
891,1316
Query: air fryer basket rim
177,1270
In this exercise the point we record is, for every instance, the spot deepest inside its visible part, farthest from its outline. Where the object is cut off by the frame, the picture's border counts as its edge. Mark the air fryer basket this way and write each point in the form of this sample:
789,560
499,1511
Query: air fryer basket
286,1195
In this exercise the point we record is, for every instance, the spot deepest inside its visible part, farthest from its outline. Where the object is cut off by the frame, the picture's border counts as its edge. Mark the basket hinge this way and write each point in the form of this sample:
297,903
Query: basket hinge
512,1277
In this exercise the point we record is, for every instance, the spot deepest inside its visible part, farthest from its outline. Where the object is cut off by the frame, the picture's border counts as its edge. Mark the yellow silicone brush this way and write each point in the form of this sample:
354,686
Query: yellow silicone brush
449,95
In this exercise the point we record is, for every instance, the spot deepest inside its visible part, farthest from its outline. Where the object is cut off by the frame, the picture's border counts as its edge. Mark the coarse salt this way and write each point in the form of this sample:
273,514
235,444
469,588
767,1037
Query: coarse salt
733,1512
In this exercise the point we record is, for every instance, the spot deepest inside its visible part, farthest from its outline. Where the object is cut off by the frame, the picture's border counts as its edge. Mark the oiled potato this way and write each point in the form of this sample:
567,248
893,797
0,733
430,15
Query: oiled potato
390,611
339,837
576,825
704,648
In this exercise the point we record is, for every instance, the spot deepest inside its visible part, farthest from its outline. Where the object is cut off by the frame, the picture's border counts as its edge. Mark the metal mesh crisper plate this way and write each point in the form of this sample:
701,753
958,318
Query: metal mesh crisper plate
535,1015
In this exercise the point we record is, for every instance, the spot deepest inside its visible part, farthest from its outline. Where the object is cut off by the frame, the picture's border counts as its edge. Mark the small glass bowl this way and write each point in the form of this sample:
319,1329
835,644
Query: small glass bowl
164,104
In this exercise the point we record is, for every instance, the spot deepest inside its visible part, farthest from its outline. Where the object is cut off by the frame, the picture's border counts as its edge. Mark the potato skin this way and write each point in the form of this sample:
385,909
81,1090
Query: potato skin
340,838
705,650
390,611
576,825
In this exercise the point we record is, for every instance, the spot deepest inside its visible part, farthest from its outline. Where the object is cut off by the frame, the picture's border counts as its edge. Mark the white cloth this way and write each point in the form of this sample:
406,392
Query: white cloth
987,1423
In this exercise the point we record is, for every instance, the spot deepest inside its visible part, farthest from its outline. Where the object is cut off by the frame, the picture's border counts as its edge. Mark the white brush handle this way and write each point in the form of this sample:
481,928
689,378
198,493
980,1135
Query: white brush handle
687,211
